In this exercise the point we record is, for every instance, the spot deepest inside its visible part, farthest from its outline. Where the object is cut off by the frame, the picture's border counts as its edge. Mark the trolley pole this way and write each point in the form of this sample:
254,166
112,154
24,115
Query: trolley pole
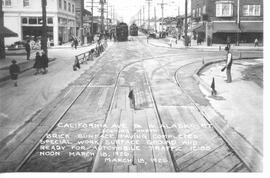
44,37
238,22
155,19
149,1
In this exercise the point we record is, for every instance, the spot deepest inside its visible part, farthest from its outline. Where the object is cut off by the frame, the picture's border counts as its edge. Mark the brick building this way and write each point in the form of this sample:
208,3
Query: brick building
220,21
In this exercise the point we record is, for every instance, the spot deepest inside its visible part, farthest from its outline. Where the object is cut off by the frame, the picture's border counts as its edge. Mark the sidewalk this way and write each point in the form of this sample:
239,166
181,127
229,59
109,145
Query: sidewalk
165,42
239,103
26,65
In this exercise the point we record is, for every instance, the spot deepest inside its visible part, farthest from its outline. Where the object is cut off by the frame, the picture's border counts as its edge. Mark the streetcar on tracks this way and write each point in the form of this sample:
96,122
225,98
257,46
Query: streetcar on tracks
133,30
122,32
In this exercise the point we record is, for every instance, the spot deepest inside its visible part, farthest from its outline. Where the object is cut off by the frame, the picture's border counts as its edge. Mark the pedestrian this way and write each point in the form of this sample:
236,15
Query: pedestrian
75,42
256,42
147,38
38,63
44,62
171,42
27,49
76,64
14,71
228,65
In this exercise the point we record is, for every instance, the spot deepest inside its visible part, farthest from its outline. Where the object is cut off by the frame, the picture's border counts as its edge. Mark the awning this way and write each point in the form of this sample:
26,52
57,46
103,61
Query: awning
8,33
198,28
249,27
225,27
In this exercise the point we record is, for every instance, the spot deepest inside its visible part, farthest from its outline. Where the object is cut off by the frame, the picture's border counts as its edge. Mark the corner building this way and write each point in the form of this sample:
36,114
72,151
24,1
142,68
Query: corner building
25,18
220,21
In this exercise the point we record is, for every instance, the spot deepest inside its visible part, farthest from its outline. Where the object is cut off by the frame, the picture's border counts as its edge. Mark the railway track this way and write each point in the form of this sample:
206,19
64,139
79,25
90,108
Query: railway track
172,153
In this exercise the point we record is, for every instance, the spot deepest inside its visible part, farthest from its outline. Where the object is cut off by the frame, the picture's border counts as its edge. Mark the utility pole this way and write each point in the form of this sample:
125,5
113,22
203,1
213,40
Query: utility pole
186,25
107,15
81,19
149,1
143,16
140,19
2,38
155,19
44,37
162,12
238,22
92,20
102,16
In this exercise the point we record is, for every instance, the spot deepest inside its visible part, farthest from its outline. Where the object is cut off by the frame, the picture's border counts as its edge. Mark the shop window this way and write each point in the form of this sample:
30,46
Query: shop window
26,3
65,5
50,20
251,10
60,4
193,12
32,20
224,9
204,9
39,20
24,20
69,7
7,2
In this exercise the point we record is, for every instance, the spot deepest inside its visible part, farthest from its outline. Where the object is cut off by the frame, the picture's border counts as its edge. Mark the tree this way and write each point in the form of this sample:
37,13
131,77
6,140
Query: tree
44,38
2,38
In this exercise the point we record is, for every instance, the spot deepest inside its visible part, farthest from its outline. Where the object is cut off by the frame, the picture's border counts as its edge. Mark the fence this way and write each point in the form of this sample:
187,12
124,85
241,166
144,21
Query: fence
90,55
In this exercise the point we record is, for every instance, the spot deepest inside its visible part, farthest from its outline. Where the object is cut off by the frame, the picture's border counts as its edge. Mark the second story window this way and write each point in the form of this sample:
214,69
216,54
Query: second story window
224,10
73,8
251,10
65,5
69,7
26,3
60,4
7,2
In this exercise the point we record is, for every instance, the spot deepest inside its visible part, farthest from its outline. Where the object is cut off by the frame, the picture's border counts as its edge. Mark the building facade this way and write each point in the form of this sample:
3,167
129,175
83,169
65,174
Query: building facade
25,18
222,21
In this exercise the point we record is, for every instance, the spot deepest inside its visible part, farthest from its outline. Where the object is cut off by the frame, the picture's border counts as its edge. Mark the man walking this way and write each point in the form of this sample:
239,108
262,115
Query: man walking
228,65
27,49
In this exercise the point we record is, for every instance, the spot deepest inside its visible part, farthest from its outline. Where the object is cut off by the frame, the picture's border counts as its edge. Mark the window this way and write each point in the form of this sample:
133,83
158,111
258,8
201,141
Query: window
24,20
193,12
69,7
224,10
50,20
33,20
25,3
73,8
204,9
7,2
60,4
40,20
65,5
251,10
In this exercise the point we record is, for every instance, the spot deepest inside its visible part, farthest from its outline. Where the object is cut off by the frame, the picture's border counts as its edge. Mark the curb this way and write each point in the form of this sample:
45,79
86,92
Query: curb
202,48
7,77
246,152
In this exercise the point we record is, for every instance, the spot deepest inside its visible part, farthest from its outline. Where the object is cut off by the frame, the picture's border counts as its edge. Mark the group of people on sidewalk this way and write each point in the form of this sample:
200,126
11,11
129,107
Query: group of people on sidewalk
41,63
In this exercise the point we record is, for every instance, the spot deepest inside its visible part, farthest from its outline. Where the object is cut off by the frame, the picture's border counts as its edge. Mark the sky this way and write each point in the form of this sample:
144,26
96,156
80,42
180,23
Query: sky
127,10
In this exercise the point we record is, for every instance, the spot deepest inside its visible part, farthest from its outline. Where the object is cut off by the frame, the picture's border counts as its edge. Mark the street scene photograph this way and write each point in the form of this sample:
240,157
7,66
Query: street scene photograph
132,86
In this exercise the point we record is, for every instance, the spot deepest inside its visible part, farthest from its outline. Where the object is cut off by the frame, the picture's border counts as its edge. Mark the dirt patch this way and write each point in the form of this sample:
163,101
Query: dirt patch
254,73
